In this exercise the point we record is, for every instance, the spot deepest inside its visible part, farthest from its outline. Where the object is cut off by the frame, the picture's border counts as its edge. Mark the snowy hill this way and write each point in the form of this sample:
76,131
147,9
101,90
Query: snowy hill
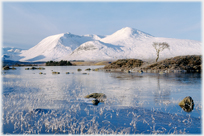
56,46
11,53
95,50
132,43
124,35
124,43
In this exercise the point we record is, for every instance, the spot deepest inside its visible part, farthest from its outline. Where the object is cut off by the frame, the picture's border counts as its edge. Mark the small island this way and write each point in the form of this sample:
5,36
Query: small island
58,63
189,64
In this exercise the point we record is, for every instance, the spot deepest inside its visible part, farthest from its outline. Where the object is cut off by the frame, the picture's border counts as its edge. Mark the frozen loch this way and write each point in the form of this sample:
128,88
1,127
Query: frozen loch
135,103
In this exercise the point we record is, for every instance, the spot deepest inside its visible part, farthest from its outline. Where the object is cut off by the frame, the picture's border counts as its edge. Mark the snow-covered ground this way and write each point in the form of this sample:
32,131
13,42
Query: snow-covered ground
124,43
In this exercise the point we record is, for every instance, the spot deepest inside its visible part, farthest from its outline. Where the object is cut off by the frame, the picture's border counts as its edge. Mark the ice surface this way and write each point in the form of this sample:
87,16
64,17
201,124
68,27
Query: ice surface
136,103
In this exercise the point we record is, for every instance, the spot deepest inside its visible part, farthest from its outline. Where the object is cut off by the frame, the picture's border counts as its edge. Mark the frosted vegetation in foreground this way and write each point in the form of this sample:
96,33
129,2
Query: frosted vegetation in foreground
136,103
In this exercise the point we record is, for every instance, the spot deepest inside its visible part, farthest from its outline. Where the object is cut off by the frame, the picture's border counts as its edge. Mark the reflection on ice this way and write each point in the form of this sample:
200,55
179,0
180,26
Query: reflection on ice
136,103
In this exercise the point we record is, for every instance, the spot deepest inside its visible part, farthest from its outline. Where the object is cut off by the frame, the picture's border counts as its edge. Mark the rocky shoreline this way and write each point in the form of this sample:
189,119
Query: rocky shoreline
185,64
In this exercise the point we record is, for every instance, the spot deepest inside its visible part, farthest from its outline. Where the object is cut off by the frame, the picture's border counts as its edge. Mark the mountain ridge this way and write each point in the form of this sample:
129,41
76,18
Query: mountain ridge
124,43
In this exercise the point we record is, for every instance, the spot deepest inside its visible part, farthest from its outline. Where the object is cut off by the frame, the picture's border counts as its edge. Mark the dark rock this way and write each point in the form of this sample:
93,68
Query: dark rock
88,69
95,69
33,68
40,73
95,102
7,68
99,96
55,72
67,72
187,104
79,69
140,71
128,71
95,95
41,68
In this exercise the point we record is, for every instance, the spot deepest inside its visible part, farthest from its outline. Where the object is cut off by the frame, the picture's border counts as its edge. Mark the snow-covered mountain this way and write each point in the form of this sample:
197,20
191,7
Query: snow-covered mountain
56,46
124,43
132,43
11,53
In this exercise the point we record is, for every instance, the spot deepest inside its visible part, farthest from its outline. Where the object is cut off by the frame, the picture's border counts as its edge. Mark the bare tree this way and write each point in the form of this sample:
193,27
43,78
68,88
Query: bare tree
160,47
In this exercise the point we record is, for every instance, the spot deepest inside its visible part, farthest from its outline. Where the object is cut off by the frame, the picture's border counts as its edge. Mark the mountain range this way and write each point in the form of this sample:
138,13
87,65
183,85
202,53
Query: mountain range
124,43
11,53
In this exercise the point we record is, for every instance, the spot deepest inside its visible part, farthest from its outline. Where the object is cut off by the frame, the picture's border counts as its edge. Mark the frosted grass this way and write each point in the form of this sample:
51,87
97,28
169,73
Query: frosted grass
136,103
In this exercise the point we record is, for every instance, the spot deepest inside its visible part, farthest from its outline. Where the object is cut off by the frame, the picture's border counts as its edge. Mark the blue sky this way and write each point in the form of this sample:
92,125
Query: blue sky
25,24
